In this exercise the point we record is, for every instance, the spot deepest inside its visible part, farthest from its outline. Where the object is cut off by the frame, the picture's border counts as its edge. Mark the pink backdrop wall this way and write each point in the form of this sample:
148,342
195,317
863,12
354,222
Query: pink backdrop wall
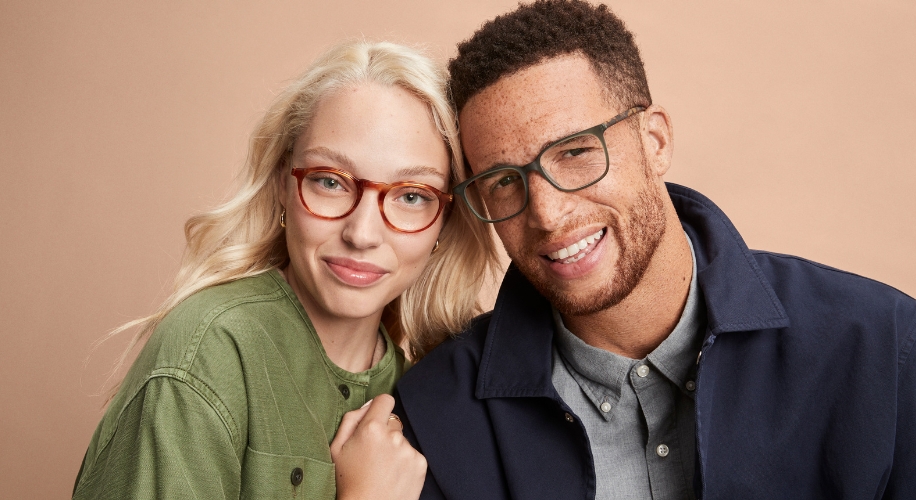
118,120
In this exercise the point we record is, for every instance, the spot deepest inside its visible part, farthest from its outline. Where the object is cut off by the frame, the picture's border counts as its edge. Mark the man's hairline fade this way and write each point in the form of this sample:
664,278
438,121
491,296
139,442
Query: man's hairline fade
496,52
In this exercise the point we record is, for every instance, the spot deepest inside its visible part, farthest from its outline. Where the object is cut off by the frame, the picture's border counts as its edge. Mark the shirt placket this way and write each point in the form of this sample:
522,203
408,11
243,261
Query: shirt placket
663,454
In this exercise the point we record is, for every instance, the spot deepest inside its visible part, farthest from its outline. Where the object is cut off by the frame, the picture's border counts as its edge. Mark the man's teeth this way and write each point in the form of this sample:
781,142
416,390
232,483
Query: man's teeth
570,252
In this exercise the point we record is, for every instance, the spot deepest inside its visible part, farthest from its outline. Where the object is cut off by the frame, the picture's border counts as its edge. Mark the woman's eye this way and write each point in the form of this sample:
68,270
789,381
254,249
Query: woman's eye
329,183
413,198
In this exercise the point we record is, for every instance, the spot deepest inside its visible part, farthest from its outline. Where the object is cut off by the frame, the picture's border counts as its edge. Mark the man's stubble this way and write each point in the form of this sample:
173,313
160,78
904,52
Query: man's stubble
637,242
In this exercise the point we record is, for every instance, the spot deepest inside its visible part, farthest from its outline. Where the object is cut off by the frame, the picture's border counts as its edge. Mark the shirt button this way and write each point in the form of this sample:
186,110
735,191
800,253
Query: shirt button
690,385
344,390
296,477
642,371
662,450
569,418
605,407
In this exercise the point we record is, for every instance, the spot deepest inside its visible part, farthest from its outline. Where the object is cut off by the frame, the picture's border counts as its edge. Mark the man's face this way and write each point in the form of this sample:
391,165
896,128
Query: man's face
586,250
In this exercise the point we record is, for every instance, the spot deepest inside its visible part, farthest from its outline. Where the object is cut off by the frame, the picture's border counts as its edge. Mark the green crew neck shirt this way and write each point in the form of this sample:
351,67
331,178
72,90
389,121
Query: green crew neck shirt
233,396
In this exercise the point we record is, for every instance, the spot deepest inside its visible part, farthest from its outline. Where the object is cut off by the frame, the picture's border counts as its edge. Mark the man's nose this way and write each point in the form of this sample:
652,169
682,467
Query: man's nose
547,205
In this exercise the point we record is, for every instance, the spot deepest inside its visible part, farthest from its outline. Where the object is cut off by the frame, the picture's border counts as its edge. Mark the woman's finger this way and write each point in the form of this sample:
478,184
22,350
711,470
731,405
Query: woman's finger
347,427
397,420
379,410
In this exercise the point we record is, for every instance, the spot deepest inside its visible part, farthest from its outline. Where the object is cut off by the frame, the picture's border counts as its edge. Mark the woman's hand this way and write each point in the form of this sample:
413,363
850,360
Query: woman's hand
373,460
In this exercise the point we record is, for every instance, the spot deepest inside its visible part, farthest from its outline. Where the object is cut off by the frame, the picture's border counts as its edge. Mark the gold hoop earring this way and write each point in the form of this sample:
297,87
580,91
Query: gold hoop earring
283,218
435,247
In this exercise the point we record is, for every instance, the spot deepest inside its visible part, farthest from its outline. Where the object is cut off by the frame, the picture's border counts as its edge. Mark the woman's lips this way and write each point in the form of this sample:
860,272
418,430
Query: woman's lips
353,272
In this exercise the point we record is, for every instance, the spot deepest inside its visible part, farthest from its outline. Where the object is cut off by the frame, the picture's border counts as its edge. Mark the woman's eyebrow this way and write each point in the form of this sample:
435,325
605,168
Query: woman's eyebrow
330,154
345,161
422,170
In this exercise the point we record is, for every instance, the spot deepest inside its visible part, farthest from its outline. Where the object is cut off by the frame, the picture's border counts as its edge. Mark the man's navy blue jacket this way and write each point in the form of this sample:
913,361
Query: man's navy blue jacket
805,386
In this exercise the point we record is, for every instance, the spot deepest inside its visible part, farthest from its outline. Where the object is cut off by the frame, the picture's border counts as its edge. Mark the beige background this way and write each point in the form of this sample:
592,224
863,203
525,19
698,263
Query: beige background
118,120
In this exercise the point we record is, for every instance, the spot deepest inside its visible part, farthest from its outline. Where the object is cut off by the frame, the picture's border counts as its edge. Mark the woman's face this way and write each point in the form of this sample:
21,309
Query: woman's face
350,268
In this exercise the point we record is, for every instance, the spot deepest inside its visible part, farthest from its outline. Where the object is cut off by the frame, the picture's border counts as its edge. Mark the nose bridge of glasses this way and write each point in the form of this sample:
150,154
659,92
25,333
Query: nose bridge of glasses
381,187
535,169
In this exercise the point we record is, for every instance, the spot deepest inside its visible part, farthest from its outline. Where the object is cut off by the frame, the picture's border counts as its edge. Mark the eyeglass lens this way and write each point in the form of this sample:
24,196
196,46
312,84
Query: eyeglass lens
408,207
571,164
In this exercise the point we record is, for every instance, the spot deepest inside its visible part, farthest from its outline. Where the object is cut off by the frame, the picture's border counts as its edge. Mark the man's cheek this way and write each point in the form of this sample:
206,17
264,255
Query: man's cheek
512,239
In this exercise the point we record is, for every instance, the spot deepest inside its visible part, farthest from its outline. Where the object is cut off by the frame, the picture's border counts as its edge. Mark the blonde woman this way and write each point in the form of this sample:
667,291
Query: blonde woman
293,297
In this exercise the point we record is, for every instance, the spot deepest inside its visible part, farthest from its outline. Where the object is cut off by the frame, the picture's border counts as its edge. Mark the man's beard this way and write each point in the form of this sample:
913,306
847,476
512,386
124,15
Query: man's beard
645,228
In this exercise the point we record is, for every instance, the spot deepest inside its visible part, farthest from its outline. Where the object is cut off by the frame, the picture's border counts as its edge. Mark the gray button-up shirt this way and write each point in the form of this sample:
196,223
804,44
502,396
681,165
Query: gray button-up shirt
638,414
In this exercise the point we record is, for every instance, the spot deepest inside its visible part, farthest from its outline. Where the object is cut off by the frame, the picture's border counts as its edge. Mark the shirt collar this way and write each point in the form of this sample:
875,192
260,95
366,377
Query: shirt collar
516,361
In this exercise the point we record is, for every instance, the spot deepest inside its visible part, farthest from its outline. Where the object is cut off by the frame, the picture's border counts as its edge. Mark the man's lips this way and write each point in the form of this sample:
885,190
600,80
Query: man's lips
353,272
577,250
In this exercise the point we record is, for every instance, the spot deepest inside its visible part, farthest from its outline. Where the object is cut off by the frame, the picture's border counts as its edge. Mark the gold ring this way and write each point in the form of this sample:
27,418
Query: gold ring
395,417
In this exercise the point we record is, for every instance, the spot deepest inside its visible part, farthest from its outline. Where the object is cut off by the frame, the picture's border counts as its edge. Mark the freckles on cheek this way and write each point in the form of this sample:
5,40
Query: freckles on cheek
509,236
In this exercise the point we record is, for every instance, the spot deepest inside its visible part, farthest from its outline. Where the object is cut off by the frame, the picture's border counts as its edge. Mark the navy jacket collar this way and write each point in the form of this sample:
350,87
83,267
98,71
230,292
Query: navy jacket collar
516,360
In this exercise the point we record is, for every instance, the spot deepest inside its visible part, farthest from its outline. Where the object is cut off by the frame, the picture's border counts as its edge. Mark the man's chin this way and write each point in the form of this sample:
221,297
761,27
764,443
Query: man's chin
570,299
582,304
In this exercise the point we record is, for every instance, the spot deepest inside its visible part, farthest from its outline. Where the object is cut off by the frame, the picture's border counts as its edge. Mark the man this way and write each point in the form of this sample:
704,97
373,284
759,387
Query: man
638,349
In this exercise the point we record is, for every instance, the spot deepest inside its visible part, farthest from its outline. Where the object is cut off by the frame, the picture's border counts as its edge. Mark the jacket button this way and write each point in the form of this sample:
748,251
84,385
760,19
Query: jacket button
569,418
691,385
296,477
662,451
344,390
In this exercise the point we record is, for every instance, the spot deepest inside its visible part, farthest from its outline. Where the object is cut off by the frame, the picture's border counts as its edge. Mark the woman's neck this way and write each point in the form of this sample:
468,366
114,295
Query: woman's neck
351,343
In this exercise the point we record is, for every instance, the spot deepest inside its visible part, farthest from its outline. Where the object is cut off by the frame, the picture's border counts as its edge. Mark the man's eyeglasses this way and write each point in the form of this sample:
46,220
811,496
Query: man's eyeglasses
406,207
569,164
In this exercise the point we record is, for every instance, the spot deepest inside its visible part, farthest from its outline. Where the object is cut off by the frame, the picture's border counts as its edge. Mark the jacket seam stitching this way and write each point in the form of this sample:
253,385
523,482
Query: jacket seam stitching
824,267
907,348
219,409
107,440
204,325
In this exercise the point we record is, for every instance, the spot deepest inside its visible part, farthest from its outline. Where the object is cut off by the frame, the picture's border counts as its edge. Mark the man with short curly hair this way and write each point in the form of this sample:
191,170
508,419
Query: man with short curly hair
638,349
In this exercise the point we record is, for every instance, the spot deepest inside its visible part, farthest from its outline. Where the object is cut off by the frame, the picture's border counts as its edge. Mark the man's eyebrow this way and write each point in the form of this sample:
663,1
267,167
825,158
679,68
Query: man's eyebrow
330,154
541,149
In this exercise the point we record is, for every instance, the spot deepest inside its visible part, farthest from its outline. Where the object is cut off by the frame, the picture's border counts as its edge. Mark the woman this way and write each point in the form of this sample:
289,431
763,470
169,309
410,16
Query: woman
293,297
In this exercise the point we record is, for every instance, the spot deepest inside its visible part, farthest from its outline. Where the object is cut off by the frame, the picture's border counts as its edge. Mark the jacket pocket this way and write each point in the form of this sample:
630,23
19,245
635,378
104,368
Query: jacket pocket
284,476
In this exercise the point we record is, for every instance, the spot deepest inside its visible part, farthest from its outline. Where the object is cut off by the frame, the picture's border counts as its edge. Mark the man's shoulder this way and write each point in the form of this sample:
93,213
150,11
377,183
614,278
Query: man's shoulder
821,298
792,273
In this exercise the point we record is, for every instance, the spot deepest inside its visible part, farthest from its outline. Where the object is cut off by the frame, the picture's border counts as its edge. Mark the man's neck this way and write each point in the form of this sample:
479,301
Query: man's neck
638,324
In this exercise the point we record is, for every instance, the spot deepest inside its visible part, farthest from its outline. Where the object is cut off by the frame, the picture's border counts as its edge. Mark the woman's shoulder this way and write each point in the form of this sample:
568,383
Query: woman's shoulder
211,302
212,325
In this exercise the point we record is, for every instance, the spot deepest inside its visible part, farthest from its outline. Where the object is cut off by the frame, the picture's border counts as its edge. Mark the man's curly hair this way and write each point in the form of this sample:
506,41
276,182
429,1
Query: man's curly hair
546,29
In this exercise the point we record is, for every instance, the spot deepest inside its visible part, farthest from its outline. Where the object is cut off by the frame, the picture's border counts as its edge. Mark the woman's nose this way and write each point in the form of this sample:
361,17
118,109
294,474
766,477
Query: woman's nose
364,227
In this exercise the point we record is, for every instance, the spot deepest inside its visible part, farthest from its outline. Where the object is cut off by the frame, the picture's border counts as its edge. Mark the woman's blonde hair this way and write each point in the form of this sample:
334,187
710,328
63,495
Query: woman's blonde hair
243,237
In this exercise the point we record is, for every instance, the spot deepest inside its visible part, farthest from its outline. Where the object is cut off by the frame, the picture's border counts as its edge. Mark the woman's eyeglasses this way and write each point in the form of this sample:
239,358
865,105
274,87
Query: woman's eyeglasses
406,207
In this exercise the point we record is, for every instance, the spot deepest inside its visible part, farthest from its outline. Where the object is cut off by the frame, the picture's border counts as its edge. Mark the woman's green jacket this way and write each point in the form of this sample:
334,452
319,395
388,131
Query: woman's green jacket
233,396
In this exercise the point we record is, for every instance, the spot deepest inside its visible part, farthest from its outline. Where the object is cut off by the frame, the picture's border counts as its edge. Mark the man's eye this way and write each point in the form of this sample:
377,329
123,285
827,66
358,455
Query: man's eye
576,151
509,179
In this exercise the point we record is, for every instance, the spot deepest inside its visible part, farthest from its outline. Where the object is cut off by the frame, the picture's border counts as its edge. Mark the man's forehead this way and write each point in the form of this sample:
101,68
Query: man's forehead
519,113
554,72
